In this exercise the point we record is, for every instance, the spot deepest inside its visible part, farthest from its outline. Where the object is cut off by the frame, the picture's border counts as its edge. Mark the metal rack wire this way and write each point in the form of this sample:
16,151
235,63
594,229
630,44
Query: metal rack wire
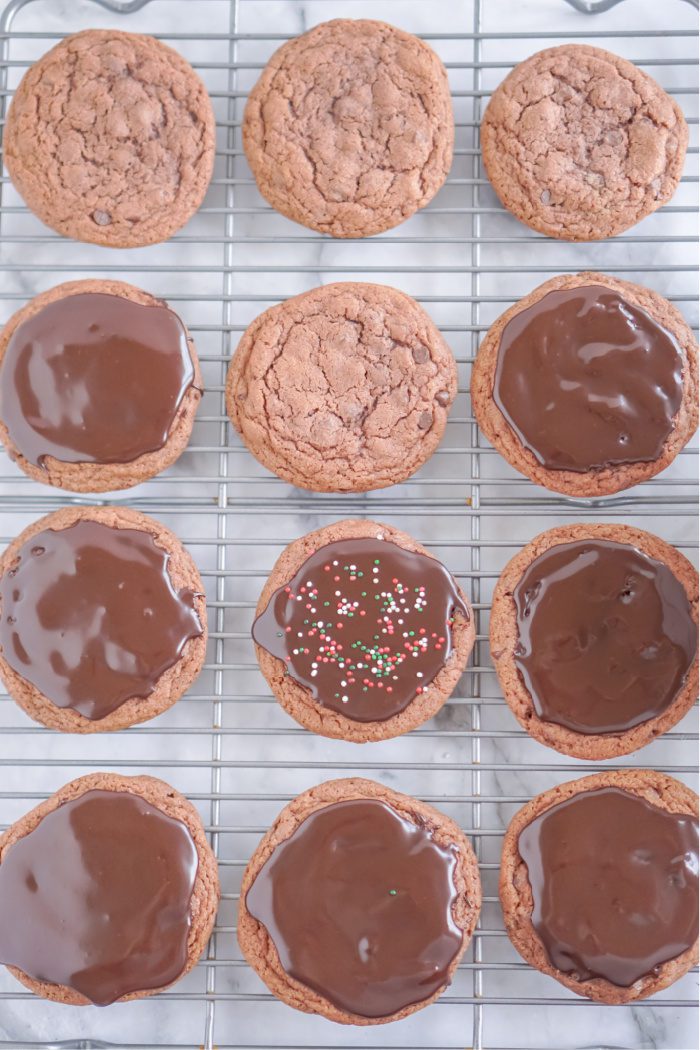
227,745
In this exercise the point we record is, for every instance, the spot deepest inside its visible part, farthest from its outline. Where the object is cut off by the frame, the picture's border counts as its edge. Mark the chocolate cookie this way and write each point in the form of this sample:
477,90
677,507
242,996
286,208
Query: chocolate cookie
110,138
344,388
359,903
349,129
588,385
360,633
108,891
102,619
99,386
599,883
580,144
594,638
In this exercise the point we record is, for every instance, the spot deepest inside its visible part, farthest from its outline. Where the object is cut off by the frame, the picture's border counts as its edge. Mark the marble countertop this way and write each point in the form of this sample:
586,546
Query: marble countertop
466,259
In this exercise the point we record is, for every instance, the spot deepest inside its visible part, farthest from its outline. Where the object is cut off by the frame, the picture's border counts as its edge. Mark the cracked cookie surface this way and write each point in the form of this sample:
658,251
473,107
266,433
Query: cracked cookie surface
349,129
110,139
344,388
580,144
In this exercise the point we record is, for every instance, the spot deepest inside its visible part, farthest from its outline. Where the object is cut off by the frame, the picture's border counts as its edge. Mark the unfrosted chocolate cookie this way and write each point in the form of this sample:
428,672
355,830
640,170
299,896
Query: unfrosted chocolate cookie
108,891
359,903
360,633
588,385
599,883
102,619
594,638
99,386
344,388
580,144
349,129
110,138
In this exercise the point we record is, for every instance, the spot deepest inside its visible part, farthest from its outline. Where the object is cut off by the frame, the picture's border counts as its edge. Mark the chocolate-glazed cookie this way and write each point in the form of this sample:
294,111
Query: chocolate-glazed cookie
344,388
588,385
599,883
594,638
110,138
102,619
359,903
99,386
360,633
349,129
580,144
108,891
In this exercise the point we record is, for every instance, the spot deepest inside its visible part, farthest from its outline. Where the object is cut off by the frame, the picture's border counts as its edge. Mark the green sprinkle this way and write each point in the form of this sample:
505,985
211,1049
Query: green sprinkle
392,892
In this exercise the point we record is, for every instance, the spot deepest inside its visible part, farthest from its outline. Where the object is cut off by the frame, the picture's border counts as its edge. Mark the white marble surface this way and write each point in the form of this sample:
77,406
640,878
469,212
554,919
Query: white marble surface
436,762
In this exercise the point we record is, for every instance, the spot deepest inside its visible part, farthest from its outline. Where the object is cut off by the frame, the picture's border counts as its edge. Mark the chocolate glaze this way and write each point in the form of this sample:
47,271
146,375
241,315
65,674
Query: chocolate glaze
89,616
364,625
605,636
587,380
94,378
97,897
358,903
615,884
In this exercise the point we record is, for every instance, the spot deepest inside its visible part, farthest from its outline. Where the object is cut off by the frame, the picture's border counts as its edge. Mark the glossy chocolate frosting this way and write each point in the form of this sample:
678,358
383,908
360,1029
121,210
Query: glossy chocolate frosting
97,897
89,616
358,903
364,625
615,884
605,636
587,379
94,378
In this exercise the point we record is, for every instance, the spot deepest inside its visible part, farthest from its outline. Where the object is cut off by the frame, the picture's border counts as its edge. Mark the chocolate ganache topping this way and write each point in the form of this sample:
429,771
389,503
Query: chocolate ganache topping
97,897
615,884
89,616
358,903
588,380
364,625
94,378
605,636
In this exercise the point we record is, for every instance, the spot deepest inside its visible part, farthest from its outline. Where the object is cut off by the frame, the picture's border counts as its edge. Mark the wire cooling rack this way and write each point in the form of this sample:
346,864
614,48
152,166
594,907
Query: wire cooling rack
228,745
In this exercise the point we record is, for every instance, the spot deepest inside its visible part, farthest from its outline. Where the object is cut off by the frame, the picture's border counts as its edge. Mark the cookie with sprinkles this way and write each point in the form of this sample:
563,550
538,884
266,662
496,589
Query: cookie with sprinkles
360,632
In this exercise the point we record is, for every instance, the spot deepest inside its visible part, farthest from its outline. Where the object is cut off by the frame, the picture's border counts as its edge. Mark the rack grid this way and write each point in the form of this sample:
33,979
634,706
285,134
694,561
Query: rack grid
227,744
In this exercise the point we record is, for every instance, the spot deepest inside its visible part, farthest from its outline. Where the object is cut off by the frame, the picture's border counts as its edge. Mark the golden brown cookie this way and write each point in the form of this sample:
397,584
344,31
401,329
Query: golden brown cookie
349,129
341,679
148,794
382,869
113,626
588,385
344,388
614,883
110,138
580,144
622,639
97,392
